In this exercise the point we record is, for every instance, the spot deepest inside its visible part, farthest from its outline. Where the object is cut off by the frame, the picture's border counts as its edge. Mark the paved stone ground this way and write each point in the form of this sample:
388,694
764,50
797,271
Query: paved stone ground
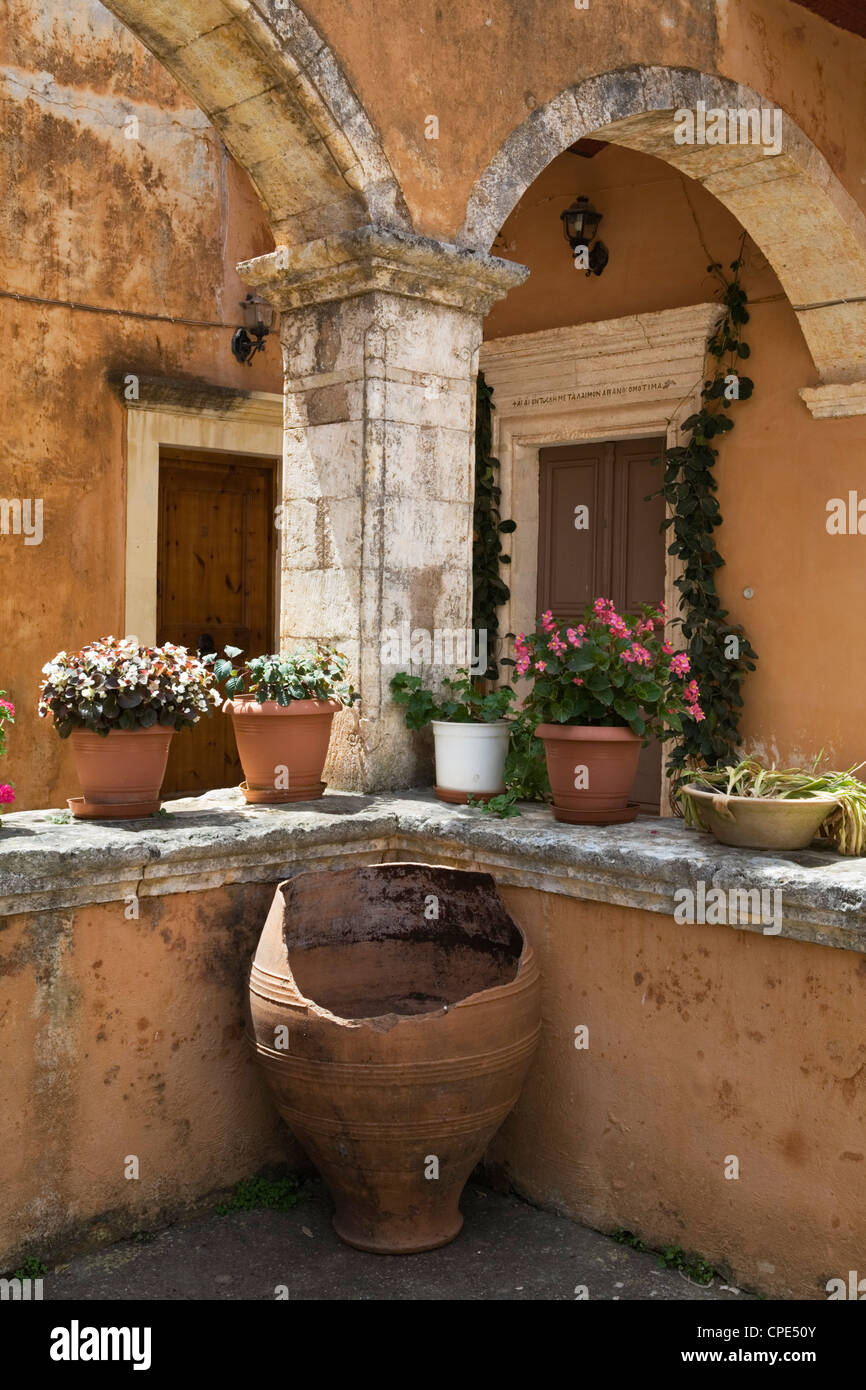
507,1250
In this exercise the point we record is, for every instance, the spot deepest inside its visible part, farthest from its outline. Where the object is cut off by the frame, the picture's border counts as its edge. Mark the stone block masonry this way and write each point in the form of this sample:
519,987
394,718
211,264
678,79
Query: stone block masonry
381,333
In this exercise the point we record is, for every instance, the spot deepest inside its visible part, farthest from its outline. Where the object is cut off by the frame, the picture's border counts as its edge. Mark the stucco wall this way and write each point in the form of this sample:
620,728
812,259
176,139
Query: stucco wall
482,66
126,1037
661,229
704,1043
150,226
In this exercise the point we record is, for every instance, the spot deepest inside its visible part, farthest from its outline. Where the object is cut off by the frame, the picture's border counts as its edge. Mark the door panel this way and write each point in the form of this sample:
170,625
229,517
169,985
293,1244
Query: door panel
622,554
639,557
215,586
639,567
571,557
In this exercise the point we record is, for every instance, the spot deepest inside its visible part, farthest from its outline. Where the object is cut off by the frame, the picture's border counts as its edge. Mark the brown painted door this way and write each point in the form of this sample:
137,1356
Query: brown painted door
215,586
599,536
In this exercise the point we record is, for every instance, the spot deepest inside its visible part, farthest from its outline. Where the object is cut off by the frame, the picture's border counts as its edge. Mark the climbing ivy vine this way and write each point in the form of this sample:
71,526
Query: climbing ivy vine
489,590
719,650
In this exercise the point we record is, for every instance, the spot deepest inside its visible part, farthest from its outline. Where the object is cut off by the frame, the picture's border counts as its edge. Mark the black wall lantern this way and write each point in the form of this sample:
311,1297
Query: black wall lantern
258,316
580,224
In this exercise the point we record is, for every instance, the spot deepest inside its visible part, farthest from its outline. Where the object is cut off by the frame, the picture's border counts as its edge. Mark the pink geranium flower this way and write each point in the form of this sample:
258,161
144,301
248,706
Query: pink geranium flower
7,795
9,707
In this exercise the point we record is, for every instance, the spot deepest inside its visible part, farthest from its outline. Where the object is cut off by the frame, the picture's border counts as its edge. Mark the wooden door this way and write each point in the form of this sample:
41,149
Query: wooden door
614,548
215,586
572,546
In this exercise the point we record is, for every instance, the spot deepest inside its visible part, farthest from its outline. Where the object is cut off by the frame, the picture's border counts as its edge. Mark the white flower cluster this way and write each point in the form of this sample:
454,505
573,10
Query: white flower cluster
118,684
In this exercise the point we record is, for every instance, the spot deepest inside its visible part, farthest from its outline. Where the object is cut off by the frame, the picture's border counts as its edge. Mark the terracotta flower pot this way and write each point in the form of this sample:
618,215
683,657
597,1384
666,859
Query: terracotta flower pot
395,1040
282,748
121,774
591,771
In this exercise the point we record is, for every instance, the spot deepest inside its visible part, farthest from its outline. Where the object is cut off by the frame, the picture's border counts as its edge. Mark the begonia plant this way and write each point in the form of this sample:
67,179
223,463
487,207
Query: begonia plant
608,670
117,684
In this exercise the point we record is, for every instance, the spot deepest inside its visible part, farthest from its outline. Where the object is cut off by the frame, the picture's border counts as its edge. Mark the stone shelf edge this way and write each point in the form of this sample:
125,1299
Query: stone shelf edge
215,839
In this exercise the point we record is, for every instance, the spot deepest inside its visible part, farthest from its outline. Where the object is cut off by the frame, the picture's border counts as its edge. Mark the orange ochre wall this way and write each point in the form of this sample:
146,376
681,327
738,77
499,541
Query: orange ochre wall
151,225
126,1037
155,225
483,66
705,1043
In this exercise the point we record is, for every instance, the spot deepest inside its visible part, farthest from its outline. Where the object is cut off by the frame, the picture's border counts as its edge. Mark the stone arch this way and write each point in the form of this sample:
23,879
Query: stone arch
273,89
791,203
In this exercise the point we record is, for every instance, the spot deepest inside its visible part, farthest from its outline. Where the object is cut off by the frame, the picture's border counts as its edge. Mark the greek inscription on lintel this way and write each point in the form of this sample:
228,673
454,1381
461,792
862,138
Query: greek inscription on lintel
591,393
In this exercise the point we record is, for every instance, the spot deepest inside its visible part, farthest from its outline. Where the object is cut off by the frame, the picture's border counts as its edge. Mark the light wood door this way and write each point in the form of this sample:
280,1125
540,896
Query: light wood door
215,586
619,553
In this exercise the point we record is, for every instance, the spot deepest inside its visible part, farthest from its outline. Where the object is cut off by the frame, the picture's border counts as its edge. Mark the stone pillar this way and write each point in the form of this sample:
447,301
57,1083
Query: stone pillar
380,333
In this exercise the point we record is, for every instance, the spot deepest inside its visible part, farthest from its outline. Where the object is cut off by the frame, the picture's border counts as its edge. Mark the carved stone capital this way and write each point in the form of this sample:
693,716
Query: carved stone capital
371,258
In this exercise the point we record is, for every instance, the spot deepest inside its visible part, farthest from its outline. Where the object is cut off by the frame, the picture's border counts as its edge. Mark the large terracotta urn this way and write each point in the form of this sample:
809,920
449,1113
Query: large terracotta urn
395,1009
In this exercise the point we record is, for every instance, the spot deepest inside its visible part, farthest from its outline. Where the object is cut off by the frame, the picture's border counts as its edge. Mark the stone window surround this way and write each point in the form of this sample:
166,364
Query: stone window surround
627,378
175,415
215,839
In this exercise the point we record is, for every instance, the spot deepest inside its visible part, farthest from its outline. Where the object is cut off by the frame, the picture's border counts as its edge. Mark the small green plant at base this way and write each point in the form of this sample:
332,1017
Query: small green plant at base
502,806
624,1237
669,1257
30,1268
161,812
61,818
461,702
273,1194
672,1257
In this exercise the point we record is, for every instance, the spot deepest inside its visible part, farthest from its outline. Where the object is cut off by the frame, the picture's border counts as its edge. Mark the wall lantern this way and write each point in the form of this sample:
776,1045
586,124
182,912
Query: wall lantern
258,316
580,224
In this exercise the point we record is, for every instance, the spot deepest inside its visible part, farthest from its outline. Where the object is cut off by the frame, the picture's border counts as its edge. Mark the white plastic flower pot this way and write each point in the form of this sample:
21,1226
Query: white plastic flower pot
470,759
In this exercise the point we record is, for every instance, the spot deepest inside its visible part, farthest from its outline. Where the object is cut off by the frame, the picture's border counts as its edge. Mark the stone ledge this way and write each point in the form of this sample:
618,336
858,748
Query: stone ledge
209,841
835,401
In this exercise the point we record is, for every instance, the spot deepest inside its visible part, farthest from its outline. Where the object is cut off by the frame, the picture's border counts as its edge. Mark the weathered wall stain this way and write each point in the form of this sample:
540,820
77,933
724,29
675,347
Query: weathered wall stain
154,225
162,1070
635,1130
